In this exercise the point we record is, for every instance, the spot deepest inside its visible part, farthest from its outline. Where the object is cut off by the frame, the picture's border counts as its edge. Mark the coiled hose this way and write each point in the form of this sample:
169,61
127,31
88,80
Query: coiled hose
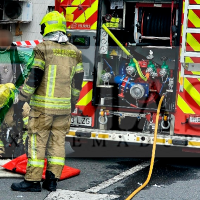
126,52
156,23
153,152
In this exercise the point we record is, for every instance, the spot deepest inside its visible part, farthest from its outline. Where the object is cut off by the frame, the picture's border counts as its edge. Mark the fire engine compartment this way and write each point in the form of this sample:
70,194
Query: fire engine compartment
150,32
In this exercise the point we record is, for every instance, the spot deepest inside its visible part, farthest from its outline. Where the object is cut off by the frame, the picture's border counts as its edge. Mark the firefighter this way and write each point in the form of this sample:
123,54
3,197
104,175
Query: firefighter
54,83
10,60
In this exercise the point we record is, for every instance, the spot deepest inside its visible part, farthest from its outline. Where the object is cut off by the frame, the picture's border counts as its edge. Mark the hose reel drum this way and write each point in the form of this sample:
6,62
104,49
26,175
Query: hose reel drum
156,24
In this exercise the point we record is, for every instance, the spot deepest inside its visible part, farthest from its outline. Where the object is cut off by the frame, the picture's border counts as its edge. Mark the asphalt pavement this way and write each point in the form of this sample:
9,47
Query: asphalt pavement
108,176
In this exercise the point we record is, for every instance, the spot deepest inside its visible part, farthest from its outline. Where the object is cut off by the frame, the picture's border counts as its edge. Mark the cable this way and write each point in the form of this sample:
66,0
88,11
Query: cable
132,105
125,51
163,86
153,152
111,70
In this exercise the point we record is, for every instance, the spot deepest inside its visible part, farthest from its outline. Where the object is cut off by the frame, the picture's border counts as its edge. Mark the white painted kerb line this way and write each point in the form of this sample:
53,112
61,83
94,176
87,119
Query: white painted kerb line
117,178
77,195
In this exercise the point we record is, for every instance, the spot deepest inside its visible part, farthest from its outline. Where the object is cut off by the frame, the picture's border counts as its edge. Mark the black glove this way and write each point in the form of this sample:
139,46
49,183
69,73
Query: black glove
18,108
72,107
18,114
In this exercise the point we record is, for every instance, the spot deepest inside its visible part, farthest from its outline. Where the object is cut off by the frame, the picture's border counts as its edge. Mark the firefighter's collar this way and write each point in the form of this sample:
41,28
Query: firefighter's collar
56,37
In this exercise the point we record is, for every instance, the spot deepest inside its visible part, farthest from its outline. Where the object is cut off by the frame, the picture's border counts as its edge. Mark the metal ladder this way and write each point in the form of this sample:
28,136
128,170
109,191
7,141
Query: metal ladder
185,53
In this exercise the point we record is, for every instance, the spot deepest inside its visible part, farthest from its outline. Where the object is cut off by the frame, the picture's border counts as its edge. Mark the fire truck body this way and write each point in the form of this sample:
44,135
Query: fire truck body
120,95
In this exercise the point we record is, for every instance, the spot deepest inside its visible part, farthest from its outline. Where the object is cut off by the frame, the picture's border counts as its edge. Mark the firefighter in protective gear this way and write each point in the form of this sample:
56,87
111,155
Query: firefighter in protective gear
53,85
11,60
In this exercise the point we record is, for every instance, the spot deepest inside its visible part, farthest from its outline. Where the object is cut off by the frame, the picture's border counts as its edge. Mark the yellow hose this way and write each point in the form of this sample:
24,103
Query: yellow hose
125,51
153,153
139,70
116,40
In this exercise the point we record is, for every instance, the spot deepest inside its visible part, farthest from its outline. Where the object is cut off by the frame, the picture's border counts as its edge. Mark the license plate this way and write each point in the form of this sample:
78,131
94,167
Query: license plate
78,120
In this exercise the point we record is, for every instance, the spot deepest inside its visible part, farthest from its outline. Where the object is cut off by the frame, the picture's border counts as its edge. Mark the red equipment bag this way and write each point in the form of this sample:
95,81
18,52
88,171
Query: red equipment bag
18,165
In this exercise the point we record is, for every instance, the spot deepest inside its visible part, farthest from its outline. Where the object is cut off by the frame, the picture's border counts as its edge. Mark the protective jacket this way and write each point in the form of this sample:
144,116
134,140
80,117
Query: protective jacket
55,78
16,58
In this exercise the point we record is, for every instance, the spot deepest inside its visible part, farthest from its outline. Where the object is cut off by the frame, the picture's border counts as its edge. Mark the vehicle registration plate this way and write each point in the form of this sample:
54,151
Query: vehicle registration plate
79,120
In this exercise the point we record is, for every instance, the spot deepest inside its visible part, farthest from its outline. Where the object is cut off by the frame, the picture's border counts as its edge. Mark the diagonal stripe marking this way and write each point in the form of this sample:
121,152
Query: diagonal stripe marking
194,19
194,1
88,13
70,10
84,83
77,11
193,42
184,106
87,87
86,99
192,91
77,2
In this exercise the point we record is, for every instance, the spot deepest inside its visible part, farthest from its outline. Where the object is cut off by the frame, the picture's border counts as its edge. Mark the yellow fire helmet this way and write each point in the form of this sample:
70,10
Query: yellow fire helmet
53,21
6,92
11,86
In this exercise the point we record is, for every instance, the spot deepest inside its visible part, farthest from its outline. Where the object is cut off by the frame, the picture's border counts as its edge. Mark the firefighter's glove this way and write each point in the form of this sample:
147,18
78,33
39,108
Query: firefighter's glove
72,108
19,108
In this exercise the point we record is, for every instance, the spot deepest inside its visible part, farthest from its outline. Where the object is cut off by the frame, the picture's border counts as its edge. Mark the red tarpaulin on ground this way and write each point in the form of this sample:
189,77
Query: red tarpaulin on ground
18,165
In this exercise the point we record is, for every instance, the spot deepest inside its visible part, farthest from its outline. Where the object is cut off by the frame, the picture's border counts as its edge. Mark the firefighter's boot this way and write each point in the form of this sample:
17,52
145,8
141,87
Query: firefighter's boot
27,186
50,182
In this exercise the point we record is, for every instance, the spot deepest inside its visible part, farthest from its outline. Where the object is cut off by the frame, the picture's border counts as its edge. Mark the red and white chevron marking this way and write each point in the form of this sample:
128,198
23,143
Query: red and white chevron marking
30,43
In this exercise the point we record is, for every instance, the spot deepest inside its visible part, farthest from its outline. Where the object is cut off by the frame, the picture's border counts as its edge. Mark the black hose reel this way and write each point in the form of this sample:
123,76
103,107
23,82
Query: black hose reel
157,22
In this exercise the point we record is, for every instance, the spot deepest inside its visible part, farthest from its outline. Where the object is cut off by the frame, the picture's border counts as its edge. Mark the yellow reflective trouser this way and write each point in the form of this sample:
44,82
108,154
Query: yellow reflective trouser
46,131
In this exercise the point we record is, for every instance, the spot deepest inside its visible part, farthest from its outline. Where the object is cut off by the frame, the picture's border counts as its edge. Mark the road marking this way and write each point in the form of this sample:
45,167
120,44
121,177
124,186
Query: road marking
76,195
92,192
117,178
7,174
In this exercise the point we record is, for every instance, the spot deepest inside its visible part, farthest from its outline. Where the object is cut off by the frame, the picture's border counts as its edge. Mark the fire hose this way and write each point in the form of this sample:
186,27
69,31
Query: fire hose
126,52
153,153
156,24
157,116
153,149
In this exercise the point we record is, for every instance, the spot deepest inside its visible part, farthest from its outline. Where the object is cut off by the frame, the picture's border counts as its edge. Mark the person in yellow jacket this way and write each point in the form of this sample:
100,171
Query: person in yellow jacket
53,87
12,61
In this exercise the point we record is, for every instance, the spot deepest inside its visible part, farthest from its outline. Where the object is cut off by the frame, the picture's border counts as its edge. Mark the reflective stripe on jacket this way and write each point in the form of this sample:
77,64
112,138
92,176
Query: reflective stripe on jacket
59,63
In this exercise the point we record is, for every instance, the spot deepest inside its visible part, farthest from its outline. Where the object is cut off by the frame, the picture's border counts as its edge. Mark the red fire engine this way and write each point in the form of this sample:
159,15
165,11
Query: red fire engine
133,54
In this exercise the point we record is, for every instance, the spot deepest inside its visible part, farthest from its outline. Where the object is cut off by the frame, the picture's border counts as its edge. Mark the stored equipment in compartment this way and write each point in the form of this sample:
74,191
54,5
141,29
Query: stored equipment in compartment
156,23
153,29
